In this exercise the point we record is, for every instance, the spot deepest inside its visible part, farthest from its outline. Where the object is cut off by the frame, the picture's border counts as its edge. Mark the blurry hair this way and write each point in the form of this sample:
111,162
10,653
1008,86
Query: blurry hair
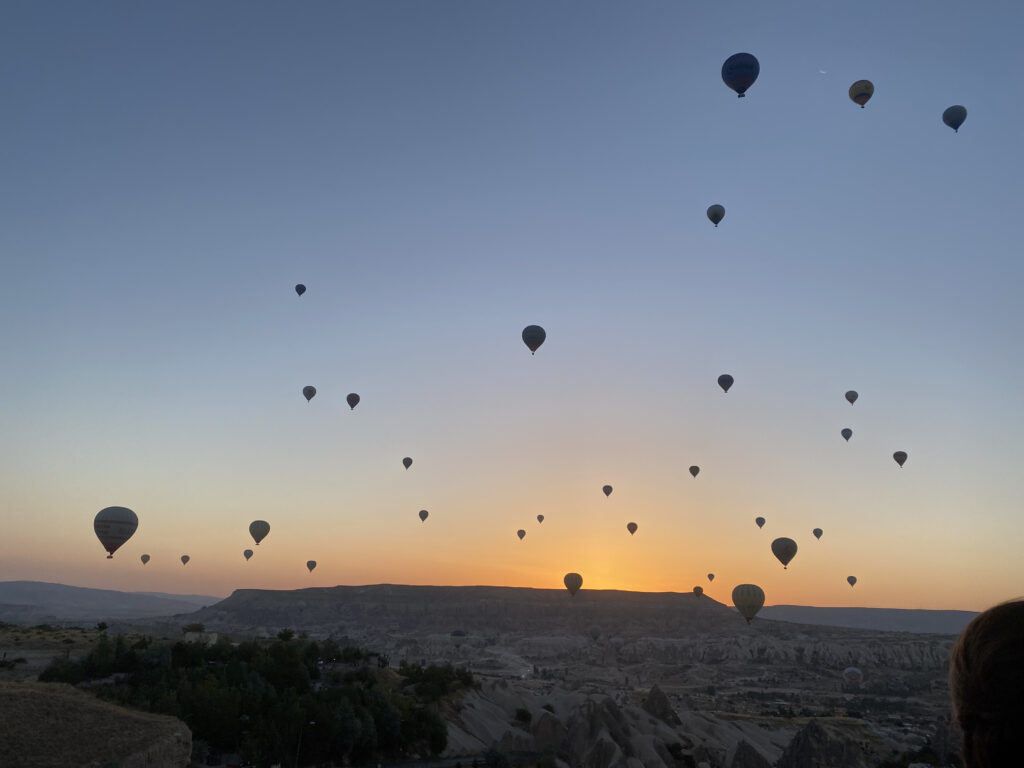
986,682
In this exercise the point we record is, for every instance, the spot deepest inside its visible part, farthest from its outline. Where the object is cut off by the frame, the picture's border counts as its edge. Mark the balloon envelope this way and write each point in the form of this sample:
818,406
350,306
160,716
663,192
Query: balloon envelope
900,457
725,381
311,564
847,433
259,529
353,400
759,521
247,553
748,599
716,213
300,289
860,92
853,676
533,337
698,591
851,580
631,527
711,577
144,559
308,392
954,117
694,470
424,514
817,533
573,582
607,490
740,71
784,549
540,518
185,559
521,534
114,526
406,462
851,397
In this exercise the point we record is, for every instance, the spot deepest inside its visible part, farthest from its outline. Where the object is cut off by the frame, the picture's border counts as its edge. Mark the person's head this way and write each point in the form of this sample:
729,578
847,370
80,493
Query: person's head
986,682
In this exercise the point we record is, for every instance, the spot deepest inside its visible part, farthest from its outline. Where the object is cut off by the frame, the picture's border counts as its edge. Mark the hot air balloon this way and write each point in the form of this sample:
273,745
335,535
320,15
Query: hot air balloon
860,92
851,397
423,514
533,337
300,289
352,399
748,599
853,676
784,549
694,470
954,117
185,559
308,393
851,580
725,381
631,527
740,71
406,462
607,490
114,526
311,564
900,457
716,213
759,521
521,534
817,533
144,559
573,582
711,577
847,433
540,518
698,591
247,553
259,529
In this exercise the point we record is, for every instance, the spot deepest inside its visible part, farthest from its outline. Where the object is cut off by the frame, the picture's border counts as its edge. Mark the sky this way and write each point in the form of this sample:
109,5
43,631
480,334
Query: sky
441,175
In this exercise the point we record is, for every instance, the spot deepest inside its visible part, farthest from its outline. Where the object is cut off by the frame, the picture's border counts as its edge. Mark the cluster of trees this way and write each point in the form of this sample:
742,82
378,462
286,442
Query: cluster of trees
288,701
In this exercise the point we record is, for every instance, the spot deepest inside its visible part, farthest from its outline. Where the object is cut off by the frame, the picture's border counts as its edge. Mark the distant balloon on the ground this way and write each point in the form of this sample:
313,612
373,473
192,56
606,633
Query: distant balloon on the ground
851,397
853,676
784,549
861,91
740,71
954,117
300,289
631,527
113,526
144,559
847,433
759,521
694,470
716,213
259,529
900,457
308,393
748,599
406,462
573,582
725,381
533,337
311,564
698,591
353,400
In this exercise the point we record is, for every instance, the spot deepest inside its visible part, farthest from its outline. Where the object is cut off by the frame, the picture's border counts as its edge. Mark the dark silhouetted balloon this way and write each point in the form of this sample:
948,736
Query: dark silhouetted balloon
521,534
353,400
851,580
716,213
694,470
711,577
759,521
185,559
851,397
817,533
247,554
900,457
954,117
311,564
300,289
533,337
847,433
406,462
144,559
573,582
607,490
631,527
259,529
540,518
114,526
784,549
740,71
748,599
698,591
725,381
308,393
423,515
860,92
